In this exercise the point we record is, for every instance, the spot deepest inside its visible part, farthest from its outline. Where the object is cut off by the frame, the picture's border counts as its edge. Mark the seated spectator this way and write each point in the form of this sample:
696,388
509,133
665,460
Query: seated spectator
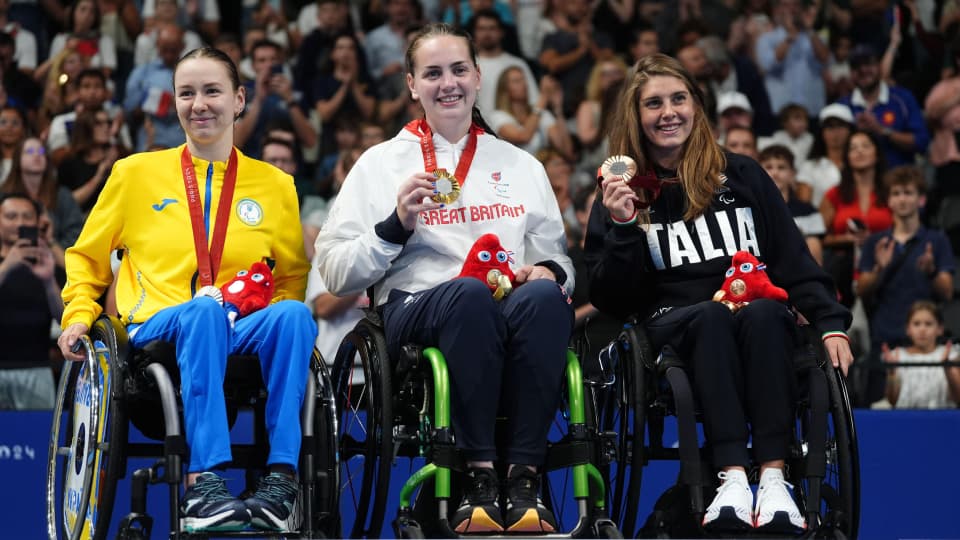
147,46
33,175
591,124
371,134
94,151
530,128
269,15
741,140
335,315
25,43
270,97
232,46
13,129
83,30
18,85
282,154
60,86
733,110
930,387
330,19
342,89
794,132
487,29
727,72
91,95
901,265
643,41
564,181
942,112
149,97
29,301
854,209
203,16
385,45
820,171
836,76
777,160
889,113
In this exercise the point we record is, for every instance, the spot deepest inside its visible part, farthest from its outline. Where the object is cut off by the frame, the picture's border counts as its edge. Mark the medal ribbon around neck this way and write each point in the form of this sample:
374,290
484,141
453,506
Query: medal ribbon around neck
421,129
208,259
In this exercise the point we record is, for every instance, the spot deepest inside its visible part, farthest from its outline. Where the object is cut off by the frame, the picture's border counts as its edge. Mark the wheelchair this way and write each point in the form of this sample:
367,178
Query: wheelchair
394,409
116,385
636,389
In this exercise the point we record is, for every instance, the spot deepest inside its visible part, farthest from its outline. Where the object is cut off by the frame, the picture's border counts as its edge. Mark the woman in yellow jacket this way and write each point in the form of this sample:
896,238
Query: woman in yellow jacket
170,213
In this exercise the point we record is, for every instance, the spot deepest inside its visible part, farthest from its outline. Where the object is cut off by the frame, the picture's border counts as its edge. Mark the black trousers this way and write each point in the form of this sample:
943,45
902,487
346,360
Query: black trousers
507,356
741,366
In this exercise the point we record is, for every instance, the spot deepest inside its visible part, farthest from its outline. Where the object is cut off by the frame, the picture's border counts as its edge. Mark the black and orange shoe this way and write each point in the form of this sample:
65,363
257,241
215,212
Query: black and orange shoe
479,511
525,510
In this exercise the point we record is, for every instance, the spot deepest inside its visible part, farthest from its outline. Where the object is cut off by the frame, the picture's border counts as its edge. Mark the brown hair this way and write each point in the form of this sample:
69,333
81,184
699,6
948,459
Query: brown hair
593,90
905,175
777,151
81,140
47,192
216,55
847,186
702,161
502,101
925,305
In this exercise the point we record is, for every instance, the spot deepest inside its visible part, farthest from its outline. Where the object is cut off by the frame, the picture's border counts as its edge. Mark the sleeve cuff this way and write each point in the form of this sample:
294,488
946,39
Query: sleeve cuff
391,230
561,276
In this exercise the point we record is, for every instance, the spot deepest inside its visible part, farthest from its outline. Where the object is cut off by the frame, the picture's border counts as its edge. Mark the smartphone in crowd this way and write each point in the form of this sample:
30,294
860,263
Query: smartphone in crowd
30,233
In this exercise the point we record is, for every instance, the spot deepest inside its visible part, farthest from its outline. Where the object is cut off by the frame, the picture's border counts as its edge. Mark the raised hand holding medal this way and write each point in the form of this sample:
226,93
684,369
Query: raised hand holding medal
447,187
619,197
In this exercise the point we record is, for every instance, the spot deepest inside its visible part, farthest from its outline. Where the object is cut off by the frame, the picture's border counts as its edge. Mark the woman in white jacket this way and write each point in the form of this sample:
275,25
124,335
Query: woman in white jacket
387,231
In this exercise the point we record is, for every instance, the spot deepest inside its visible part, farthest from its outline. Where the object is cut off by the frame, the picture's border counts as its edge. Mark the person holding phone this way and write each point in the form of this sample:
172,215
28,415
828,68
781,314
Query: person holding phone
29,300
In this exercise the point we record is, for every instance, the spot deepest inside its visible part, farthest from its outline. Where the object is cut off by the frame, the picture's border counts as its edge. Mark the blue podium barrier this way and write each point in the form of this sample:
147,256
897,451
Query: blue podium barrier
908,459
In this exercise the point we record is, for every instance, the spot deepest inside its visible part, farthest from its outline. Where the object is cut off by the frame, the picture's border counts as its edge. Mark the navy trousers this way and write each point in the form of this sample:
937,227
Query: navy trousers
508,356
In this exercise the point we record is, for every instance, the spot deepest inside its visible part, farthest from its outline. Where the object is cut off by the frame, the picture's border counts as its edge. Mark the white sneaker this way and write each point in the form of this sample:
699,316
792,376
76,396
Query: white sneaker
730,509
776,509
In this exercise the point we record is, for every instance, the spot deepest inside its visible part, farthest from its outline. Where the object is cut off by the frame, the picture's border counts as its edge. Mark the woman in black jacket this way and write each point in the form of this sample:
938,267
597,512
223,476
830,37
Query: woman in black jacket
659,249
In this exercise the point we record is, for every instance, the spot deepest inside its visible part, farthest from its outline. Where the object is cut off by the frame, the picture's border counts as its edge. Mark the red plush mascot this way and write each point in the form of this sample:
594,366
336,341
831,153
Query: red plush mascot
489,262
249,291
747,281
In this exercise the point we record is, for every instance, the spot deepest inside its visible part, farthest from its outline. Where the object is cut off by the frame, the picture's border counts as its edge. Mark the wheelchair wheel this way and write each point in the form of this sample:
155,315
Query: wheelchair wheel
323,488
87,438
365,435
622,408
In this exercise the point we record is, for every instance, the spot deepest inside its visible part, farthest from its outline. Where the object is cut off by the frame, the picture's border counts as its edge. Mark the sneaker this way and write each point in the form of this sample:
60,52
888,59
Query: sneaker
208,506
731,508
272,504
525,511
776,510
479,510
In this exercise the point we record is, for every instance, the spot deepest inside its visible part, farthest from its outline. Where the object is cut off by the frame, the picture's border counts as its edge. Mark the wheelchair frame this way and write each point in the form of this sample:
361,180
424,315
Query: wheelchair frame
408,415
823,462
104,449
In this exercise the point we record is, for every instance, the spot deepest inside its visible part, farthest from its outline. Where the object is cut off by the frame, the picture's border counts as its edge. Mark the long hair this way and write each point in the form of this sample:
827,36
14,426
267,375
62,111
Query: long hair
46,193
502,95
81,140
848,187
595,90
434,30
702,159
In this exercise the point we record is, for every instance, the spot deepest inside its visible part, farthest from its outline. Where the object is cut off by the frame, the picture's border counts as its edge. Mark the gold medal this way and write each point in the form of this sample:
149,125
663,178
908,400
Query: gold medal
448,188
619,167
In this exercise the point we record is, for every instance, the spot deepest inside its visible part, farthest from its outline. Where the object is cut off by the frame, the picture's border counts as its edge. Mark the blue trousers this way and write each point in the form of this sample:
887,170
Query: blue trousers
508,356
281,335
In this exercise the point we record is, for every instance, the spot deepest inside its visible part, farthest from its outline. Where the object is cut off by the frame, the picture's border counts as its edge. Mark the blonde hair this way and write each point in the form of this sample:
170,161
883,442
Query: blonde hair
502,95
594,91
702,160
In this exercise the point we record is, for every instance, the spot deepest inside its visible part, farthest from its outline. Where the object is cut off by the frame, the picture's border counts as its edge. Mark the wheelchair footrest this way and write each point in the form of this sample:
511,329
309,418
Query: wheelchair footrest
135,526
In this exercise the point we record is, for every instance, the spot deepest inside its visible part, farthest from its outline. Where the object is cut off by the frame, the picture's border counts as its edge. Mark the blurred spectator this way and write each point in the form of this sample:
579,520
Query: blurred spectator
459,12
792,57
83,31
741,140
150,97
753,21
13,129
683,22
942,111
901,265
282,154
564,181
91,95
385,46
29,301
890,113
929,387
269,97
272,19
232,46
643,41
793,133
487,30
530,128
200,15
777,160
837,77
618,18
733,110
120,20
328,16
342,90
333,22
147,46
371,134
854,209
93,152
18,85
571,52
594,112
738,73
25,43
61,220
335,315
821,170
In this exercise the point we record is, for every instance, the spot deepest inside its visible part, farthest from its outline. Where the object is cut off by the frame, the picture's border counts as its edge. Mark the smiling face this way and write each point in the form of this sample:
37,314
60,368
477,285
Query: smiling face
445,79
666,117
207,101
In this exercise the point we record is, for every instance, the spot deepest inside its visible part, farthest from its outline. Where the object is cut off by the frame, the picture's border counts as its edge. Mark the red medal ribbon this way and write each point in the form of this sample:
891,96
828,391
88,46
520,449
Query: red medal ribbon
421,129
208,259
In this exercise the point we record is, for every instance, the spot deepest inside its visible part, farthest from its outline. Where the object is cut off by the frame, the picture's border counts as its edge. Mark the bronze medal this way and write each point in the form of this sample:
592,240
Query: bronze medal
448,188
619,167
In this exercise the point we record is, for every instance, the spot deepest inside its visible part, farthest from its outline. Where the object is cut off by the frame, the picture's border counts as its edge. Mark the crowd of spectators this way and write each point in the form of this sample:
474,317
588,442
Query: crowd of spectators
840,101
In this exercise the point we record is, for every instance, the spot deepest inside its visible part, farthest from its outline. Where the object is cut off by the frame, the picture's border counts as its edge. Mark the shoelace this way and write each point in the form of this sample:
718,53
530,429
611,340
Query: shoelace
722,475
276,488
212,488
523,486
